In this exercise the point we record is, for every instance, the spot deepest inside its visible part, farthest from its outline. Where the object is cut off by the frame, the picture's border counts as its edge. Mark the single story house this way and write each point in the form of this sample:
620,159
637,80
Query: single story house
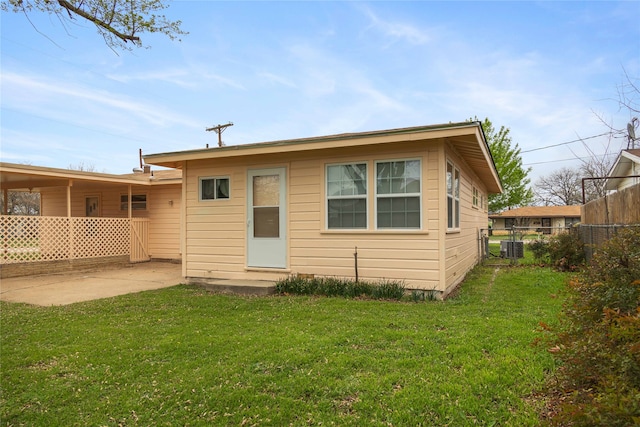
627,166
88,218
544,219
410,202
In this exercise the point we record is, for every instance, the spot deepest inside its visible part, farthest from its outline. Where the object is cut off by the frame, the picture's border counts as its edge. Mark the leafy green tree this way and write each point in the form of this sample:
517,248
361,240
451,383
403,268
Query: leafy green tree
514,177
119,22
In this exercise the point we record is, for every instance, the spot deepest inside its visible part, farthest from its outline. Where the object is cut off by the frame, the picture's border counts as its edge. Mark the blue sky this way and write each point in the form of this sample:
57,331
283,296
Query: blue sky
549,71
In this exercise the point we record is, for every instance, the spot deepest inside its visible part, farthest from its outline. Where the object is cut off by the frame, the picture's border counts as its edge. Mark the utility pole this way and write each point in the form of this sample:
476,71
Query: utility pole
219,129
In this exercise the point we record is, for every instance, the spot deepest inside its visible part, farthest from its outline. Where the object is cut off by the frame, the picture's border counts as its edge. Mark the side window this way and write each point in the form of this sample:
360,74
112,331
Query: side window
138,202
398,194
453,197
346,196
214,188
476,198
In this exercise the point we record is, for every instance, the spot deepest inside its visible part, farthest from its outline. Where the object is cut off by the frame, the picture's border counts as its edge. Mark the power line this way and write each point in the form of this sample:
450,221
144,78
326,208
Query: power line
565,143
73,125
567,160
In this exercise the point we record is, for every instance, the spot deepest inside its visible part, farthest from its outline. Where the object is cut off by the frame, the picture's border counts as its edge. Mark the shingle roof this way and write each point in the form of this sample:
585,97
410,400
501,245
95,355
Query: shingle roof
539,211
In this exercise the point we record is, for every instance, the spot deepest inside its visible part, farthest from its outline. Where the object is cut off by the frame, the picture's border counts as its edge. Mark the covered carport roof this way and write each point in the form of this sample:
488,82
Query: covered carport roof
19,177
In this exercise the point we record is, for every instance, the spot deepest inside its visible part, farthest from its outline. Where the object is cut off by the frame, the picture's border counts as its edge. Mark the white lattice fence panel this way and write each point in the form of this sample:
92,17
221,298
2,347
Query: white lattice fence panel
21,238
99,237
31,238
54,238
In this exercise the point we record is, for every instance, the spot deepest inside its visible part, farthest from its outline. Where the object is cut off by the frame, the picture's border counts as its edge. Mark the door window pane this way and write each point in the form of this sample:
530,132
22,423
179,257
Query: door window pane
266,221
266,190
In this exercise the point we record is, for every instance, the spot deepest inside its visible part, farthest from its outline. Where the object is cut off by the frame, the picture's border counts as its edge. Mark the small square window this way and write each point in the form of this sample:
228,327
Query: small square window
214,188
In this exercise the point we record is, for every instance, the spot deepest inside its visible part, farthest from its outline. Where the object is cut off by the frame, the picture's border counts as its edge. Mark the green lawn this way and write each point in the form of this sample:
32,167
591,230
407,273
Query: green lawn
182,356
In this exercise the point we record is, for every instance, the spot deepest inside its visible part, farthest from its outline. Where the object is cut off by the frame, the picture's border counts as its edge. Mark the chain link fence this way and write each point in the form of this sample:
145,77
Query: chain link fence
508,244
594,236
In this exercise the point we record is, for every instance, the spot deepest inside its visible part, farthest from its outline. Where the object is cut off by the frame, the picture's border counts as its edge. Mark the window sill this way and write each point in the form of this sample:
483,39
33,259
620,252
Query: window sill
453,231
268,270
382,231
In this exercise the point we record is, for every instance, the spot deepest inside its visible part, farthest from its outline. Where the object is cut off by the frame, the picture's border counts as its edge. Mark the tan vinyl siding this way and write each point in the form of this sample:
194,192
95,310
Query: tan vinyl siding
164,219
399,254
54,200
216,230
163,206
462,246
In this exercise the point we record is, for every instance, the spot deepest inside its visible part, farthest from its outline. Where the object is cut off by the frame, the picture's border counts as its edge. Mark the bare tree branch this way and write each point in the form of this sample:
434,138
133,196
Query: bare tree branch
119,22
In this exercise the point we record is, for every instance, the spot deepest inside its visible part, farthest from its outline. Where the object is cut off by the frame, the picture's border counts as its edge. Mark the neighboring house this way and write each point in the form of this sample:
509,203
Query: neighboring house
410,202
544,219
626,168
620,205
98,205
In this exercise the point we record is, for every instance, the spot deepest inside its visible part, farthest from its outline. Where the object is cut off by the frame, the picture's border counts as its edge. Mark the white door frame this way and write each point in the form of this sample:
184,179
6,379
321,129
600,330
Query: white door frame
269,251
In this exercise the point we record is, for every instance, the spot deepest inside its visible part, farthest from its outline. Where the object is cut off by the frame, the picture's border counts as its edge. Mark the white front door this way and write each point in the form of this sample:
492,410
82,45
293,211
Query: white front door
266,222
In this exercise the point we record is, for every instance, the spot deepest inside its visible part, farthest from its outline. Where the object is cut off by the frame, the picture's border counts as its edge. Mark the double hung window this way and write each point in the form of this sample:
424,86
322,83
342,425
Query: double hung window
398,189
347,196
453,197
476,197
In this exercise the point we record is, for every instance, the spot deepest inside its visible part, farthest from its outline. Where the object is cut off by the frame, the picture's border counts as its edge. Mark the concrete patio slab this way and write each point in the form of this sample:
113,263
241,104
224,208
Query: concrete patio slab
68,288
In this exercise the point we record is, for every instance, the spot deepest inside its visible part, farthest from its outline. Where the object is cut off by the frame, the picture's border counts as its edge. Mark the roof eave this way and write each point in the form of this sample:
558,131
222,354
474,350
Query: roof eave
451,130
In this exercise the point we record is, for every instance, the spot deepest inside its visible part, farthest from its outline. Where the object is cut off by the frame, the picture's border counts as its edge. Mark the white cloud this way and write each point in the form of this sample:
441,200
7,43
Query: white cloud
190,78
278,79
46,97
395,30
178,77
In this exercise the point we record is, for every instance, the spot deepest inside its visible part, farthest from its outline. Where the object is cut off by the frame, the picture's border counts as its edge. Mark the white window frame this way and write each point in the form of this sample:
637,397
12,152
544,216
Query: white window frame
215,185
453,194
398,195
476,197
135,205
365,196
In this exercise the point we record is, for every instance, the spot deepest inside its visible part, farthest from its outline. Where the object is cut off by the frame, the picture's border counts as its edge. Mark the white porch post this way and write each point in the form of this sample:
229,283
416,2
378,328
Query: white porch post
5,193
69,197
71,224
129,202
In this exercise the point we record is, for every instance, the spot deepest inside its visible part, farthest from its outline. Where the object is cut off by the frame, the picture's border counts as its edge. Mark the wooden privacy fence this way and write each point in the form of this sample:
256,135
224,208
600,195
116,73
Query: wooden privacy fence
40,238
621,207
